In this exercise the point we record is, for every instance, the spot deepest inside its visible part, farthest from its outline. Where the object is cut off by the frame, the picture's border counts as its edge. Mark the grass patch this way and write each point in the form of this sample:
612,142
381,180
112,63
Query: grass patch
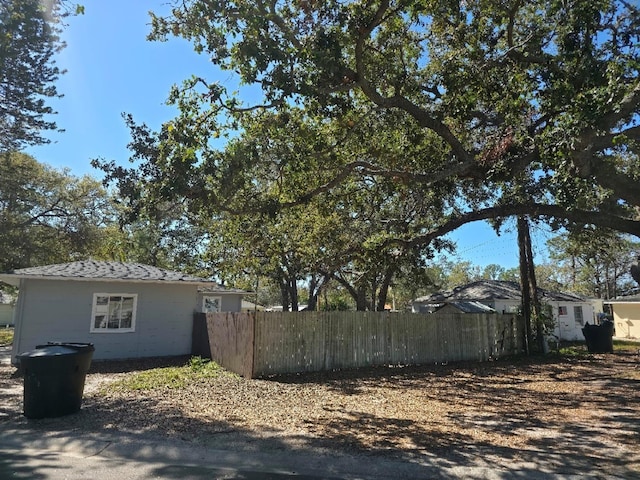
573,349
6,336
580,348
625,346
195,370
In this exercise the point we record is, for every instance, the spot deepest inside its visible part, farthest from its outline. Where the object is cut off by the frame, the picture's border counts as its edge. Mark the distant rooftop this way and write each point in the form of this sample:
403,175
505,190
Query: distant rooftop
493,289
469,307
624,299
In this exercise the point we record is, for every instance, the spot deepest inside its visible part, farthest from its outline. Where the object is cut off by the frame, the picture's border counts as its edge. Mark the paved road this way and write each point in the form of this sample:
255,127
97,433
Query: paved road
25,455
34,455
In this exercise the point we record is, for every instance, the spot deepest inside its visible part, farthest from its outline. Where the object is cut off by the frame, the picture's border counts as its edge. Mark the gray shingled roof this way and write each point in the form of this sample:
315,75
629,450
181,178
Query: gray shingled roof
493,289
470,306
221,289
94,270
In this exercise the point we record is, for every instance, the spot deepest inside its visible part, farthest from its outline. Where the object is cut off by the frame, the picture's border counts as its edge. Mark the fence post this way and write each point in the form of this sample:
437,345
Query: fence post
200,336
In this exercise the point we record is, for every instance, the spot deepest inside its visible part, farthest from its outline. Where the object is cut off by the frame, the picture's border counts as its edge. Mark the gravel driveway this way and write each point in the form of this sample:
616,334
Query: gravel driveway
572,414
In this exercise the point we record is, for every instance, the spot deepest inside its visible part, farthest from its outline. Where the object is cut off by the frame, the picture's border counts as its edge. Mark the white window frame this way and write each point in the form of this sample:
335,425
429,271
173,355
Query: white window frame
563,311
100,309
213,298
576,309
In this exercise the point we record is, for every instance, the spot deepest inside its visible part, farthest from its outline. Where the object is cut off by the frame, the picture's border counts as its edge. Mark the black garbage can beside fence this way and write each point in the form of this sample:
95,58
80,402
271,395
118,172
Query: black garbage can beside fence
54,376
599,338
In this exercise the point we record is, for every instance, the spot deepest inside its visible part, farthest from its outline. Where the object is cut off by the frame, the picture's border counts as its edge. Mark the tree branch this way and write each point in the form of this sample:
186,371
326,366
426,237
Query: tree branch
628,107
534,210
588,165
398,101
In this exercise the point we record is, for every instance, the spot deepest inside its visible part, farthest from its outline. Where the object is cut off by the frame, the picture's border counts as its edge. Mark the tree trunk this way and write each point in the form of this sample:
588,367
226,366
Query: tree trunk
293,294
361,299
384,289
529,288
315,286
284,294
533,289
313,294
524,283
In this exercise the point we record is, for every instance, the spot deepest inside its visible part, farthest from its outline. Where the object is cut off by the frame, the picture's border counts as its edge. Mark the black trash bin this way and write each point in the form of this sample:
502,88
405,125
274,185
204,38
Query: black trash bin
599,338
54,376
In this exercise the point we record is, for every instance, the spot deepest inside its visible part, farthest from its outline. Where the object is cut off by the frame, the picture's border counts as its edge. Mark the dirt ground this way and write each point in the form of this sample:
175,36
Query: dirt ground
579,411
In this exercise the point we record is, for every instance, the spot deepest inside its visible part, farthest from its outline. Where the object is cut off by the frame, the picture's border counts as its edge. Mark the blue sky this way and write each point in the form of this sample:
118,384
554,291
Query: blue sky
112,69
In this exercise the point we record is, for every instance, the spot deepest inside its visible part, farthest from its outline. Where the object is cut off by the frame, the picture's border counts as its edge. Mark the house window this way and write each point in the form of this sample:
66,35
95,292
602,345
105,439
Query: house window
114,312
577,314
211,304
562,311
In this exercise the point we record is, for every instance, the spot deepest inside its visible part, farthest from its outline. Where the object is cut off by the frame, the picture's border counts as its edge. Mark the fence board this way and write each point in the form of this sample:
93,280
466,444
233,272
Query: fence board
231,339
265,343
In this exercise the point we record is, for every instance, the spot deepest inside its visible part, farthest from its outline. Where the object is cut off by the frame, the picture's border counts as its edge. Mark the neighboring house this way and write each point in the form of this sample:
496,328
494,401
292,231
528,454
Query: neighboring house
626,316
570,312
7,307
126,310
249,307
215,298
211,304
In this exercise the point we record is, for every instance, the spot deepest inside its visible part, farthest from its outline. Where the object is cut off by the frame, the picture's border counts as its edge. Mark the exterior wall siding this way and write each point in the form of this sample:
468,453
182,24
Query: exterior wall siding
6,314
61,311
566,326
626,319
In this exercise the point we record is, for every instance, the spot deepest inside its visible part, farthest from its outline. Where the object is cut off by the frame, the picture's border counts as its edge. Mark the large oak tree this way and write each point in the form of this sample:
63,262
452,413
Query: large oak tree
532,107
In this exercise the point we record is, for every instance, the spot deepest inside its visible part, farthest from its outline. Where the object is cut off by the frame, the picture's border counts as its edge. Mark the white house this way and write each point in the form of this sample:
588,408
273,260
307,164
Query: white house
570,312
126,310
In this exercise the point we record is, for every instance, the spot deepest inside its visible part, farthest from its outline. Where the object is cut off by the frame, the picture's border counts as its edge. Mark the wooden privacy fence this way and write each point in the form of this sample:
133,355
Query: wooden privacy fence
263,343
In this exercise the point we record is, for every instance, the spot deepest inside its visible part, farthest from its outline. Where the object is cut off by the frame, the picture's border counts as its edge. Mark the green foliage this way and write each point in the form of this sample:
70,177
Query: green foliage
6,336
577,349
199,364
594,261
46,215
543,322
336,303
196,370
28,42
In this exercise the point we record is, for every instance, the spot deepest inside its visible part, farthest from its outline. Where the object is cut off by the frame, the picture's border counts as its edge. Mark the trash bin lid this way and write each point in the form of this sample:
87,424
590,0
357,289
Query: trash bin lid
48,351
77,346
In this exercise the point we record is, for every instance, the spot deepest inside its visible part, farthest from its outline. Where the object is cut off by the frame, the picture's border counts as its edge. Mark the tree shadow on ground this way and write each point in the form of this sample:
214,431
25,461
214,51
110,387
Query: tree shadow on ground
18,466
519,401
